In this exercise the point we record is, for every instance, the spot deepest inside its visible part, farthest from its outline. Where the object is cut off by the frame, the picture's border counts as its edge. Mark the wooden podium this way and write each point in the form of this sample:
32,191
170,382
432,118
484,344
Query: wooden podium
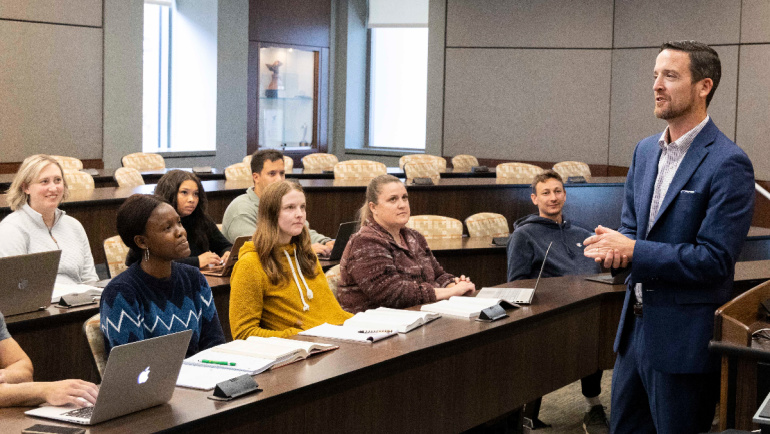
745,379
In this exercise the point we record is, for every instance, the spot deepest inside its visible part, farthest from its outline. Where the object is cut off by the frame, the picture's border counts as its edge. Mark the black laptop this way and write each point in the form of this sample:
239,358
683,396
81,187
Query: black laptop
343,235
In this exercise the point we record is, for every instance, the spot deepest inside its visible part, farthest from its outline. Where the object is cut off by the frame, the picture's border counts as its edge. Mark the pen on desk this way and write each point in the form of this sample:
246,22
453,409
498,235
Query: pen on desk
375,331
218,362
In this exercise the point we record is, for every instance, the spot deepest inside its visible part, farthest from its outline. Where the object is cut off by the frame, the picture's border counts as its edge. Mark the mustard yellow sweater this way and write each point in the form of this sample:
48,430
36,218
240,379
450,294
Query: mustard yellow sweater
259,308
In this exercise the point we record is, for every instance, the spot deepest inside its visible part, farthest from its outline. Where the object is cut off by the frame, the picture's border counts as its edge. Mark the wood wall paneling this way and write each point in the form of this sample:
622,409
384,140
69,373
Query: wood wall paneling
299,22
50,90
79,13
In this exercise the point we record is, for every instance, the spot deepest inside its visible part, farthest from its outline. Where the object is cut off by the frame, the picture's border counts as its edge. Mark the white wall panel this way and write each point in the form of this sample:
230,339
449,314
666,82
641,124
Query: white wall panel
527,23
76,12
50,90
649,23
545,105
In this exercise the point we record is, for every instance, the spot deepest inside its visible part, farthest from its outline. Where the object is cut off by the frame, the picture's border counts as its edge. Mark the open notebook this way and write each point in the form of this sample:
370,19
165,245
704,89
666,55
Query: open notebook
251,356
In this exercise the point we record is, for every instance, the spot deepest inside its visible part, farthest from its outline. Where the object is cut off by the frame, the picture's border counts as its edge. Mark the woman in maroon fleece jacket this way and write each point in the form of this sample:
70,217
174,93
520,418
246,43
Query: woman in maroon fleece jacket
388,264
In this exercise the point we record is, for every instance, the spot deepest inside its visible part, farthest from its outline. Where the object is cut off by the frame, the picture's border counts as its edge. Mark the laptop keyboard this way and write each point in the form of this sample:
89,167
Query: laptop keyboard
83,413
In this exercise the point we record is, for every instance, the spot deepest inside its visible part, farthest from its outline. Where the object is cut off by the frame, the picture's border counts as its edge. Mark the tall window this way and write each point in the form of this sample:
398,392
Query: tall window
398,87
180,76
157,56
398,74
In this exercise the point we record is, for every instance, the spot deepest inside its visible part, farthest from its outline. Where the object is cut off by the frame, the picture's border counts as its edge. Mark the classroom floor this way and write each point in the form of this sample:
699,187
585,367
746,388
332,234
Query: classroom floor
564,408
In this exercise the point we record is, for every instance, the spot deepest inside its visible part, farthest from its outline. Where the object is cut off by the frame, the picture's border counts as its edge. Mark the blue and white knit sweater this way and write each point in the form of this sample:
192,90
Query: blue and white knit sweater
136,306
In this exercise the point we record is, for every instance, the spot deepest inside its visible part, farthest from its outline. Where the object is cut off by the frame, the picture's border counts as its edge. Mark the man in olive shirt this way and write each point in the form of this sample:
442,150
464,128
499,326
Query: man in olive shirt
240,217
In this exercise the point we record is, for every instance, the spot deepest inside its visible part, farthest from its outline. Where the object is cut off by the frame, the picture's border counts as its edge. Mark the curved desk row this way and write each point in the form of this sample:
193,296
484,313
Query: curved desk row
332,202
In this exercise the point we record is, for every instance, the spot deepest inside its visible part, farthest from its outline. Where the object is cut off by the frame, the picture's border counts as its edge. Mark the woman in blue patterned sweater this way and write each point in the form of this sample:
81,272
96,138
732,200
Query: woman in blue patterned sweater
156,296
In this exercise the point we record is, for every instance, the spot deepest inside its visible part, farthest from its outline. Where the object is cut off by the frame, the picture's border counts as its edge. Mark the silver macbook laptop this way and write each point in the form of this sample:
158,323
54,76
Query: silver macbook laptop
516,295
138,375
28,280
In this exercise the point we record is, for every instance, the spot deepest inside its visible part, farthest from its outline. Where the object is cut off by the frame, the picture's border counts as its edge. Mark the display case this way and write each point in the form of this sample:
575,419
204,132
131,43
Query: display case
288,98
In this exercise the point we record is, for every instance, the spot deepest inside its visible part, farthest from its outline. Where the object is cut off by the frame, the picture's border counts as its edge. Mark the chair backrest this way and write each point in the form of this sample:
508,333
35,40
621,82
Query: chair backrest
422,170
128,177
142,161
572,168
247,160
487,224
77,180
423,158
95,340
436,226
115,252
517,173
238,172
319,161
333,277
68,163
288,163
363,170
463,163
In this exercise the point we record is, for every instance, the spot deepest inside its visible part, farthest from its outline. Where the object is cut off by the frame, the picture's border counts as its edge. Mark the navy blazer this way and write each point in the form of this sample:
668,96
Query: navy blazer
687,259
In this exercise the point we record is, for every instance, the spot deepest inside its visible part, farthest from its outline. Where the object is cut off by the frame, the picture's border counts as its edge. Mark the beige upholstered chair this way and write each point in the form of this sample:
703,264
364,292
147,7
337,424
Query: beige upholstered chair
436,226
68,163
517,173
142,162
115,252
288,163
363,170
333,277
77,180
238,172
423,158
95,339
487,224
572,168
247,160
463,163
319,161
128,177
421,170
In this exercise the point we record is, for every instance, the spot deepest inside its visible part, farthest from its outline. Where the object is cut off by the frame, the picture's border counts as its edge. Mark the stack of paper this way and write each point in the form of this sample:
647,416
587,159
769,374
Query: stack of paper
350,334
385,318
464,307
72,288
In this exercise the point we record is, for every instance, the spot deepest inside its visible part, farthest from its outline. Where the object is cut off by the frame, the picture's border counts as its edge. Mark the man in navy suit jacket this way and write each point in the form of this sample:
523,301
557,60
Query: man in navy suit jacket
689,200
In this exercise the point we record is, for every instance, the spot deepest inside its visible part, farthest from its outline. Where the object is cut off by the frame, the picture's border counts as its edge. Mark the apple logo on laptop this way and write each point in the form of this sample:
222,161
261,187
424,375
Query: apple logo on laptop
23,284
143,376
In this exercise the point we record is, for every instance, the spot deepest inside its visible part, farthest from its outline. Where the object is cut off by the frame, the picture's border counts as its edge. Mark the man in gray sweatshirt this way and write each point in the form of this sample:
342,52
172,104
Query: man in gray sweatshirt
526,250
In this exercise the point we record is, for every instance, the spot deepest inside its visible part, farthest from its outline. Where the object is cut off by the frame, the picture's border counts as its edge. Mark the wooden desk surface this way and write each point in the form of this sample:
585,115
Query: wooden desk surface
486,369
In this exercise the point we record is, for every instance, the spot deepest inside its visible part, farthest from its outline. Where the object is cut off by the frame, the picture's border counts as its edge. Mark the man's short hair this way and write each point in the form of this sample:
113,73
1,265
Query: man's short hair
704,62
545,176
259,158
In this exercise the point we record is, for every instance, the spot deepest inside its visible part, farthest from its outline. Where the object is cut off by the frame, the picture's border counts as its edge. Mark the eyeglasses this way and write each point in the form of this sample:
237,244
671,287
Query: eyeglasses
763,333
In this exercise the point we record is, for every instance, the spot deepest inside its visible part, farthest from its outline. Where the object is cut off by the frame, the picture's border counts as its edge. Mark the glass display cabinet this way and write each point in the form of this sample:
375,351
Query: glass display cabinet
288,97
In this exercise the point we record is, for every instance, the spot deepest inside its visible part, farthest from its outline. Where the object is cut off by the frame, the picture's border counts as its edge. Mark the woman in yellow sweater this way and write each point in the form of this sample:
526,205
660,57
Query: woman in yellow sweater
277,287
